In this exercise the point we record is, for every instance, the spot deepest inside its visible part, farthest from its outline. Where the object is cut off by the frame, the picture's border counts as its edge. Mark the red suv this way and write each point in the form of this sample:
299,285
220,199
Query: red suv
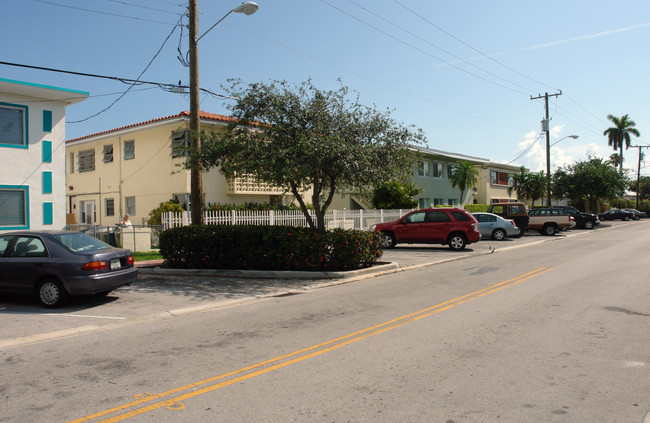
452,226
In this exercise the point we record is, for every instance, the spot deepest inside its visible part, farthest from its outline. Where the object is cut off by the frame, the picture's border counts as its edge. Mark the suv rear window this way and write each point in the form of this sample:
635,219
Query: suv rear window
460,216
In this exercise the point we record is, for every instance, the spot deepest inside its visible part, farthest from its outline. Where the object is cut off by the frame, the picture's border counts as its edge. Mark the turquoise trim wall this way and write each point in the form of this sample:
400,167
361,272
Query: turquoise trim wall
26,189
47,182
48,214
25,145
47,151
47,121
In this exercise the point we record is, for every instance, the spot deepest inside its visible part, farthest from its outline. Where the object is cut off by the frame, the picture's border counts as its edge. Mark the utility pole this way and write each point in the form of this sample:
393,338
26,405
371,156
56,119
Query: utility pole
196,180
545,127
638,172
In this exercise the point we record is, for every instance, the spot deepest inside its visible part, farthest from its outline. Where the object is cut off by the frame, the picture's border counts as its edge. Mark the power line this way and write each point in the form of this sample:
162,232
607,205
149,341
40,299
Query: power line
102,13
420,50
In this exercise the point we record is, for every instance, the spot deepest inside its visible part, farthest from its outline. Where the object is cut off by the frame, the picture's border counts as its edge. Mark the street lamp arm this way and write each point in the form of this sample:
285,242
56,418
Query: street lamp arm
247,8
568,136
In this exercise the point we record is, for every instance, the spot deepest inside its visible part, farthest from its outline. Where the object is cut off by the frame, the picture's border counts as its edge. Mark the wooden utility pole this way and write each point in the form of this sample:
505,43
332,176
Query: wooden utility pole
548,144
638,172
196,180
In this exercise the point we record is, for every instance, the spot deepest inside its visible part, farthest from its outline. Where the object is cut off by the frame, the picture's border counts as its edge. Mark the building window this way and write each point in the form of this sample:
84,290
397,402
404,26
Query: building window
47,151
129,150
108,153
452,202
48,214
47,182
14,206
13,125
423,168
110,206
71,162
130,205
438,202
47,121
500,178
450,170
424,203
437,170
86,160
180,144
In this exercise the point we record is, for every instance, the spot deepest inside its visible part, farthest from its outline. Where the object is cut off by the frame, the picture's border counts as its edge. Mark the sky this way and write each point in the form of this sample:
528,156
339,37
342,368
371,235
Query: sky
466,72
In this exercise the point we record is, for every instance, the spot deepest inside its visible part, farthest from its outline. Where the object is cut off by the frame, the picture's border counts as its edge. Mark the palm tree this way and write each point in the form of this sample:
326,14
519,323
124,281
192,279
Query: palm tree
614,160
521,184
619,134
463,176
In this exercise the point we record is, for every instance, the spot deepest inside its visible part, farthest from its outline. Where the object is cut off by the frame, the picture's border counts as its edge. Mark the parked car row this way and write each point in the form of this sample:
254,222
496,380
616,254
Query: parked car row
457,228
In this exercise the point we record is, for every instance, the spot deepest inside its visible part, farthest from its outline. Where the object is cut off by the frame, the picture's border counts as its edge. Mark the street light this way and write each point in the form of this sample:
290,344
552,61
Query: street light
548,166
196,182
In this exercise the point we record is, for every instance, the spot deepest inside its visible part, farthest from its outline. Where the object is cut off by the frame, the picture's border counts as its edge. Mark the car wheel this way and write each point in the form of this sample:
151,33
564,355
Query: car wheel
626,218
457,242
51,293
499,234
549,230
387,240
589,224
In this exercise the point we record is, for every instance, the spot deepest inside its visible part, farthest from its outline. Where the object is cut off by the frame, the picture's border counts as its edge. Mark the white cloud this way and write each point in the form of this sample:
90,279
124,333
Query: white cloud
532,150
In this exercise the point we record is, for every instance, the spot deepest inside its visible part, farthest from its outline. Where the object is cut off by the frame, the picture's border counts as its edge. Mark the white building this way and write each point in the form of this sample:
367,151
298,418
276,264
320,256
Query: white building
32,150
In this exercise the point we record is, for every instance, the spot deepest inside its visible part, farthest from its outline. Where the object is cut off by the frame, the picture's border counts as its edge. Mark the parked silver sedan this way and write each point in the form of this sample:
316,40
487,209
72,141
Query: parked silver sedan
495,227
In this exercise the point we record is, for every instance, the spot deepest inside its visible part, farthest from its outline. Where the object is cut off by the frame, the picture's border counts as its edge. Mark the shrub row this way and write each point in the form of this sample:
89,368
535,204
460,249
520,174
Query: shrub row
257,247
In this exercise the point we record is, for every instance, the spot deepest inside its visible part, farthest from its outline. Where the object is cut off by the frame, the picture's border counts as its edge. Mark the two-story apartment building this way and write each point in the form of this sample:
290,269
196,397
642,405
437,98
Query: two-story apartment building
132,169
32,136
433,173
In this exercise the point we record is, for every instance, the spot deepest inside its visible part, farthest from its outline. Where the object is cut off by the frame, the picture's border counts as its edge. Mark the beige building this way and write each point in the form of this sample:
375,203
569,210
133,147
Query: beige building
132,169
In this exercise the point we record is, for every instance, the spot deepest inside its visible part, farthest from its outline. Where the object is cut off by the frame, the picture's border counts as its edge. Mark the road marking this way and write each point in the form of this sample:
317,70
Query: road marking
176,403
85,315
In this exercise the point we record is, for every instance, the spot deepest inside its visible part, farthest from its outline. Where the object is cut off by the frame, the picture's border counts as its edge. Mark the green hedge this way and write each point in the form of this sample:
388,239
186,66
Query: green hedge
256,247
476,208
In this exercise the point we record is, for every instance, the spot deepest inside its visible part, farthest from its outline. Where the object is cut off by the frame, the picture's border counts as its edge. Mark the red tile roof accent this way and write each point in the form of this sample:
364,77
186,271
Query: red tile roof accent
184,113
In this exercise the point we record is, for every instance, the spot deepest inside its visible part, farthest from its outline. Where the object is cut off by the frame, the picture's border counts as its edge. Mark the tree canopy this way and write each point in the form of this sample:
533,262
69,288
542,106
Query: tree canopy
395,195
592,179
305,139
528,185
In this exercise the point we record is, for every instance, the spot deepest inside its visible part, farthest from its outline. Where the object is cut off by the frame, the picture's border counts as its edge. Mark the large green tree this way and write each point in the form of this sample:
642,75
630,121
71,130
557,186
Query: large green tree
464,176
305,139
395,195
528,185
592,179
620,135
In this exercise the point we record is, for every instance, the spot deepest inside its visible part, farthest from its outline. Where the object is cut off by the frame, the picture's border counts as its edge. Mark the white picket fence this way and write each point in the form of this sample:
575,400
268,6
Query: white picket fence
346,219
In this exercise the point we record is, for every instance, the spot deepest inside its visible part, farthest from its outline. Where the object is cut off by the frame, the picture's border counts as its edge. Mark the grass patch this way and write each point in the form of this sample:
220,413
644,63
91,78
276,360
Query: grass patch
150,255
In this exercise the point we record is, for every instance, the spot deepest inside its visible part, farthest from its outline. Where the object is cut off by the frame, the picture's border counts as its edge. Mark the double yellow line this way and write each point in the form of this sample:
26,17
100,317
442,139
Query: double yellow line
235,376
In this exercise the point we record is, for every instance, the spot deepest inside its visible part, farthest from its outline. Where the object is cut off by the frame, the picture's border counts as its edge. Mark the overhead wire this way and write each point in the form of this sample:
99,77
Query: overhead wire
102,13
137,80
420,50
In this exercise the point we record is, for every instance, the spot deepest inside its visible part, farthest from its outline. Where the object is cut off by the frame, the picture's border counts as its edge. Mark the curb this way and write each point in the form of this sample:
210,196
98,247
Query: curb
270,274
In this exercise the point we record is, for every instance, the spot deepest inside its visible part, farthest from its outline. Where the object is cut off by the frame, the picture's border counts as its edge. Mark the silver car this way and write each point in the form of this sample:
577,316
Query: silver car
495,227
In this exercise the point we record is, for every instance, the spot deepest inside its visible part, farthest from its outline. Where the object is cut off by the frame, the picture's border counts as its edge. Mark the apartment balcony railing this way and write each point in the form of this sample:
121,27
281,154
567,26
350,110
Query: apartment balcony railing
249,184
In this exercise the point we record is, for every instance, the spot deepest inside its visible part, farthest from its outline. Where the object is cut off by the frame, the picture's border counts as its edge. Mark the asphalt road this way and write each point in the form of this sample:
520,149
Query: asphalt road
552,331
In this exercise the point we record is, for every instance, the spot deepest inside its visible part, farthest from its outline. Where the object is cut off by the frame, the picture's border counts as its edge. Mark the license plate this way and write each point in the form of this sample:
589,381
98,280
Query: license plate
115,264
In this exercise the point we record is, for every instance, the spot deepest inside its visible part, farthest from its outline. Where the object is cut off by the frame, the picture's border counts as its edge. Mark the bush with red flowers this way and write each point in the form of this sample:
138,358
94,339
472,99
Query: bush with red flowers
257,247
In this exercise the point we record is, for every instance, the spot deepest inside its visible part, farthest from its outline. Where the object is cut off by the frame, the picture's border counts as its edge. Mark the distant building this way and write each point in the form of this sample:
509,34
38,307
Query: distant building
433,172
32,174
132,169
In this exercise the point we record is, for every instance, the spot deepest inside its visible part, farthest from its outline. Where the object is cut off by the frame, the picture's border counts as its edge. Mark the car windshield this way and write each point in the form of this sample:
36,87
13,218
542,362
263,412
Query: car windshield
78,242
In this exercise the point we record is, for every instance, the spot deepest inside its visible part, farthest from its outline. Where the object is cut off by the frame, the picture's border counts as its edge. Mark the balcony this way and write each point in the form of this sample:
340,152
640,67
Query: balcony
251,185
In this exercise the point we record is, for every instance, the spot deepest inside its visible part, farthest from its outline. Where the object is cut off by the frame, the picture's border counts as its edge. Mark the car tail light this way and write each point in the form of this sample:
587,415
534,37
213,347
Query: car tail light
95,265
513,223
475,227
130,260
572,218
